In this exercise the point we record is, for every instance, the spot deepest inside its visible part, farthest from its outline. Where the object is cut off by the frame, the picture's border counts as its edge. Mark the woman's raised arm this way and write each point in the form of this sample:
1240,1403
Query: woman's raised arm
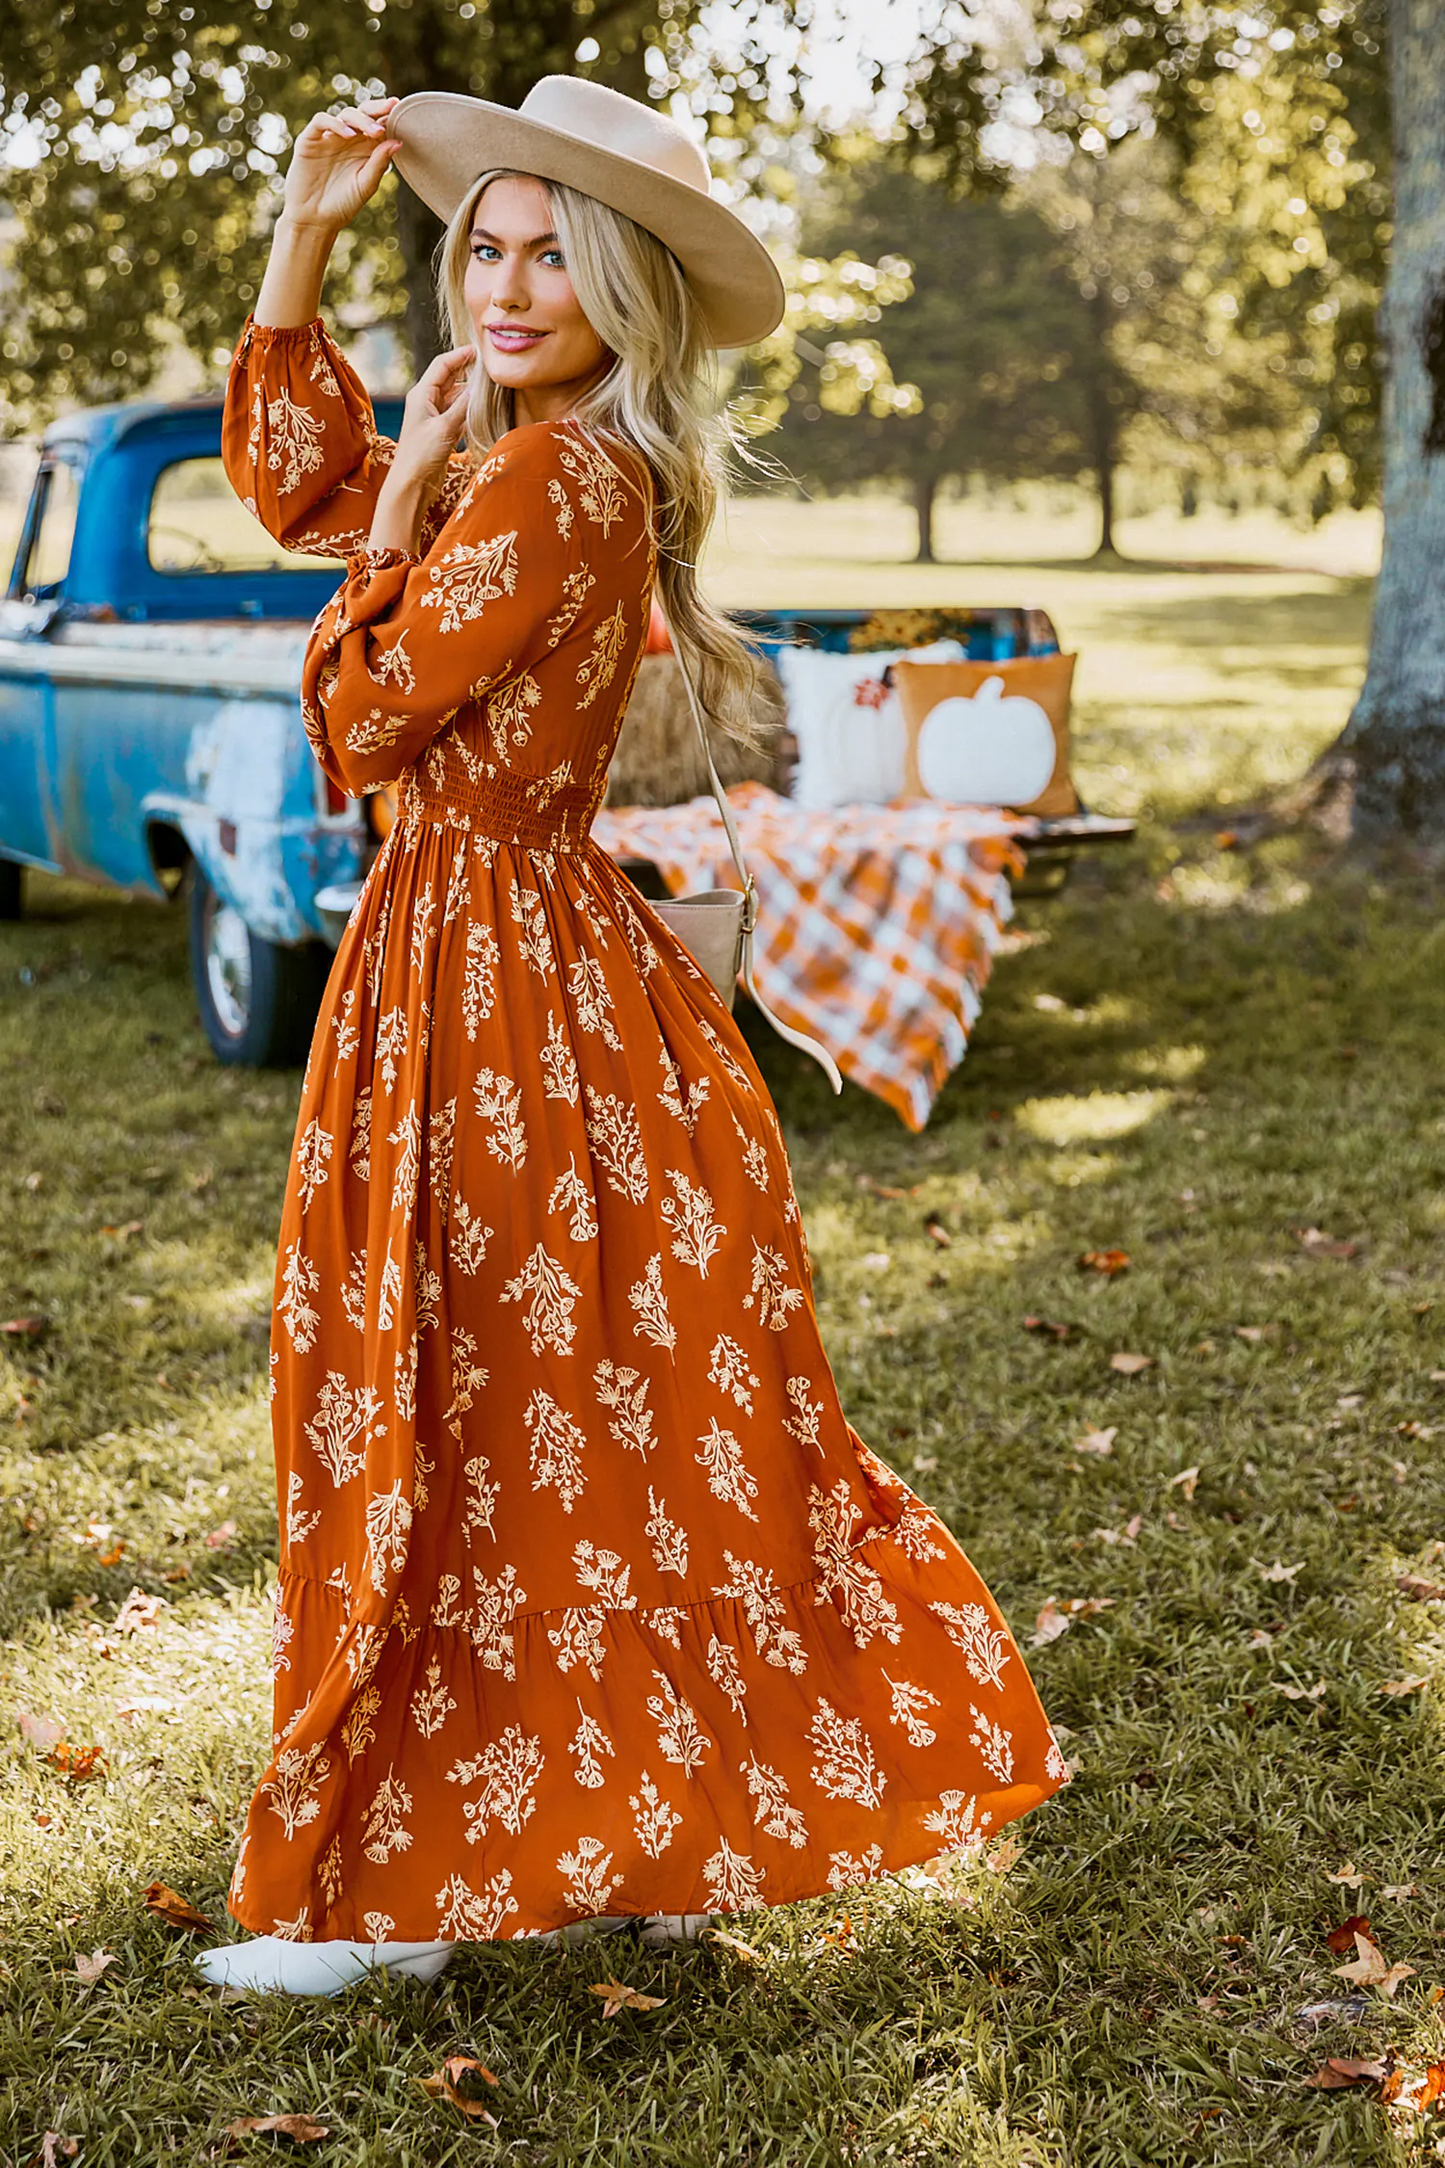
299,437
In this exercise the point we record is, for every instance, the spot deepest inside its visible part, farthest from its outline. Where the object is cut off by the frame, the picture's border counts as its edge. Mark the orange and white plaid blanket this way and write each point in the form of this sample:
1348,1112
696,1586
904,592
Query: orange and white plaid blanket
876,924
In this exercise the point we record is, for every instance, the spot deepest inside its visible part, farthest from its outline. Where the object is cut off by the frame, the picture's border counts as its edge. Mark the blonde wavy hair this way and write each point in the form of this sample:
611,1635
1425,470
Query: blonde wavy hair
658,396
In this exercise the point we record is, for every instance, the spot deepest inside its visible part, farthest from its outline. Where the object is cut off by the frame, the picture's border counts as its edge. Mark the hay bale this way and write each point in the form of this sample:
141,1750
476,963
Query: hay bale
658,760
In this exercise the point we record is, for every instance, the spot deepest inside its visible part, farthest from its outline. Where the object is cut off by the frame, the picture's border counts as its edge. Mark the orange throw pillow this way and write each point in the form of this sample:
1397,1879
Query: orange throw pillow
1046,679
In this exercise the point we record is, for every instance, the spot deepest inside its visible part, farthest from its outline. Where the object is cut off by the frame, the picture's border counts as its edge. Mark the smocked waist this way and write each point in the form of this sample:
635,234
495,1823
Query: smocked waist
510,808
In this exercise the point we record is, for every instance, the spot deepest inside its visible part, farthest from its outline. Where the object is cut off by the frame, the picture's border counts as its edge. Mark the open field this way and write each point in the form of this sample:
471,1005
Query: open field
1196,1055
763,540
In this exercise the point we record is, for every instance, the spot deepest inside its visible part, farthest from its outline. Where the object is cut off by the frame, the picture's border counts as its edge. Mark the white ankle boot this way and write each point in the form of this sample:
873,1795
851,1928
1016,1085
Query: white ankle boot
269,1965
580,1930
662,1930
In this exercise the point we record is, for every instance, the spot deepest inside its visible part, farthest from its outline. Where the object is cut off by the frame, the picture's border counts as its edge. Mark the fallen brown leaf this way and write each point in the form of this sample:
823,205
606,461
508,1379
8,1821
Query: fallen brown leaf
78,1764
89,1969
840,1936
1278,1571
934,1228
1316,1243
54,2149
112,1556
1343,2070
23,1328
301,2129
1369,1968
1109,1263
1423,1591
1349,1875
1304,1693
1342,1938
1128,1365
1128,1534
1097,1441
1056,1618
1187,1481
167,1905
1049,1329
1432,2090
1050,1624
124,1232
1251,1332
139,1613
616,1996
220,1537
1411,1685
446,2084
735,1943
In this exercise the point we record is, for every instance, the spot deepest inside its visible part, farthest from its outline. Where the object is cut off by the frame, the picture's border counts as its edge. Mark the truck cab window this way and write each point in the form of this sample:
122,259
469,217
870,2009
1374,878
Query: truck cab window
49,559
197,523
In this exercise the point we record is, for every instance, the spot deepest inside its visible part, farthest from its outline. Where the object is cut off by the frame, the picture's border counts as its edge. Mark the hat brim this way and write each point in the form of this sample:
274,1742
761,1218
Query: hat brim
448,141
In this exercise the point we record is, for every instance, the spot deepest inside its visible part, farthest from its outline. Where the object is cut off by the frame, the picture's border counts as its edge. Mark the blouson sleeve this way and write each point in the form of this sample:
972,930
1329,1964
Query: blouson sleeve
300,445
409,638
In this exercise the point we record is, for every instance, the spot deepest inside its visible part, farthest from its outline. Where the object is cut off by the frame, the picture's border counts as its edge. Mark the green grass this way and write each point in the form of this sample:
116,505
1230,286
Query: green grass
1192,1055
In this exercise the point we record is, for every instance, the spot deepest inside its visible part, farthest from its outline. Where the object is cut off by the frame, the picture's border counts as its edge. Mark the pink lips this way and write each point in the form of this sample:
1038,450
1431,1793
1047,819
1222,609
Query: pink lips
513,341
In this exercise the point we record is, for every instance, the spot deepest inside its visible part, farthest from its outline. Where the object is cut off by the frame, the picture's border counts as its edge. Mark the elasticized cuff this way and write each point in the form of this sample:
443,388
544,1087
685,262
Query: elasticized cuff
368,560
265,336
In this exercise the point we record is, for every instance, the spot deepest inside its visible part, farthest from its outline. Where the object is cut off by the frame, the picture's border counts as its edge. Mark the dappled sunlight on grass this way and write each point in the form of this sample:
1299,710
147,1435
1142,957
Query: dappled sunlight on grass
1068,1170
1167,1064
178,1710
1098,1116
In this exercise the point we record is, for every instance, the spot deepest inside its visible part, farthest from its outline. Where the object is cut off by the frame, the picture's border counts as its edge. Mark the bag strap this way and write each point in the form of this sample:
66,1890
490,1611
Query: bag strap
800,1039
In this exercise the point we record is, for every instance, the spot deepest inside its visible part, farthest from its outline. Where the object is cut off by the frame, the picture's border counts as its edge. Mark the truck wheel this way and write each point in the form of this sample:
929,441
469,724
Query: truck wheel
257,1000
12,889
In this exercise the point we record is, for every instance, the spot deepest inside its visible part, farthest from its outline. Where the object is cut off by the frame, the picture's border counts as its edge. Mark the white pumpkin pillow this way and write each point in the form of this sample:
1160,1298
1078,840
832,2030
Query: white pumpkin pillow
989,733
846,719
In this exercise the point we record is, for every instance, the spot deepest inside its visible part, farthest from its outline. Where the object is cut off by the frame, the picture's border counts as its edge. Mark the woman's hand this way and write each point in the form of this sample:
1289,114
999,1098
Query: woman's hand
431,423
337,165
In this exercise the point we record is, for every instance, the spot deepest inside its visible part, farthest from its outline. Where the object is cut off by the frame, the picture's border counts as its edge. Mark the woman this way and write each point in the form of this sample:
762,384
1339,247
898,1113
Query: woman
591,1605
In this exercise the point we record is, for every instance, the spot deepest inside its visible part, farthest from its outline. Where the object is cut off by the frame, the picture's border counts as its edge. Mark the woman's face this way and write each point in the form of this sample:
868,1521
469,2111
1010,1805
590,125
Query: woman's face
531,334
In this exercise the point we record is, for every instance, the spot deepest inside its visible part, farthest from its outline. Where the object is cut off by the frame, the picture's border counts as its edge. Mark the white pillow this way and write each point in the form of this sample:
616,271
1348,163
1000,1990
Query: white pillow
850,751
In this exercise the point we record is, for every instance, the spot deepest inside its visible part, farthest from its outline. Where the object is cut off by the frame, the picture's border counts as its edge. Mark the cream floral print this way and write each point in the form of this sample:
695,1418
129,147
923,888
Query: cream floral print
590,1600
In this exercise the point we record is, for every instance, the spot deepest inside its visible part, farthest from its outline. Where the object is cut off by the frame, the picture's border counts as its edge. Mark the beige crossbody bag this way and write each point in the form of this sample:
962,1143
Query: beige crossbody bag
716,926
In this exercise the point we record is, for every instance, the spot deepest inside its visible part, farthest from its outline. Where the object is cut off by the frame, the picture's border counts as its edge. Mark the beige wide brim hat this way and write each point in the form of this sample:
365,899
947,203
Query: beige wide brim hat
626,154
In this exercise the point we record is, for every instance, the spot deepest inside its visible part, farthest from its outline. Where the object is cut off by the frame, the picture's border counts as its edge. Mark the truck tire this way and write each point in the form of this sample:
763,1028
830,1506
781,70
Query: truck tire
257,1001
12,889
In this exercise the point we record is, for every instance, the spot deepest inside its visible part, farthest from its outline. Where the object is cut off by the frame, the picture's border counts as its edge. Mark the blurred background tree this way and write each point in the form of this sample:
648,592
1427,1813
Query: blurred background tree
1314,136
143,145
978,348
1279,115
1052,331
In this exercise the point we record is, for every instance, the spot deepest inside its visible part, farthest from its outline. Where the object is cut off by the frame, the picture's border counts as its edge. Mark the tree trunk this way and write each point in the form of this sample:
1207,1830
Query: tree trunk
418,233
1104,476
413,58
1395,739
1103,418
925,490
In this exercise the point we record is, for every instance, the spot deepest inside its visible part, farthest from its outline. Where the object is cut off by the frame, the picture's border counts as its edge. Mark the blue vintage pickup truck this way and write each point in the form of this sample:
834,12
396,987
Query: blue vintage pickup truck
150,733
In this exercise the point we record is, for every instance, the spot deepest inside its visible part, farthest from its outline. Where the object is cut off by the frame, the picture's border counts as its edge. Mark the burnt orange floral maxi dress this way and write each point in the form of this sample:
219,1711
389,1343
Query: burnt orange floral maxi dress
590,1599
